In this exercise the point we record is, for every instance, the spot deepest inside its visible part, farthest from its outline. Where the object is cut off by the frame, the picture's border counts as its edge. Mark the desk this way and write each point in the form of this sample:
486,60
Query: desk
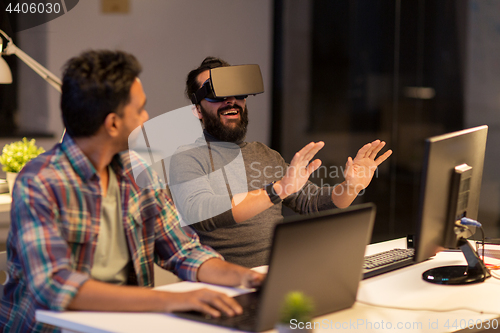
5,201
401,288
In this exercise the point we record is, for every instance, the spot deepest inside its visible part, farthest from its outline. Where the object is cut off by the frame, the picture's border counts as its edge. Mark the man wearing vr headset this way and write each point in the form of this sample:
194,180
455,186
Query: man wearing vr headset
242,232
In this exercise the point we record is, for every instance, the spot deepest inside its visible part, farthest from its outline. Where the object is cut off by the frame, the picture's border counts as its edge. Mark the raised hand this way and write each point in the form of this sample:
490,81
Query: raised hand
360,171
299,170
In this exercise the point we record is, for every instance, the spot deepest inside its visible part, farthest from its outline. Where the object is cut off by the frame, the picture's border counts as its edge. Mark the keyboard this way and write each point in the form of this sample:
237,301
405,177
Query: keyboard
246,321
387,261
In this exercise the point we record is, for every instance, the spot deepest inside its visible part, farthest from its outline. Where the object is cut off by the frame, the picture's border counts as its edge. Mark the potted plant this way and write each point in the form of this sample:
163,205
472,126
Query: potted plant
296,313
15,155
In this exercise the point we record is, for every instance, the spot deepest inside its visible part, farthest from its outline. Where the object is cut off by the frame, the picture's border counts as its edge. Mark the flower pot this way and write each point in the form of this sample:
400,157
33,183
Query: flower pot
11,179
285,328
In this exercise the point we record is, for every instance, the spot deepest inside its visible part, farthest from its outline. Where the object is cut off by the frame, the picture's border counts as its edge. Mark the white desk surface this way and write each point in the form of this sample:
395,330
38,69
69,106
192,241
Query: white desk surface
400,288
5,200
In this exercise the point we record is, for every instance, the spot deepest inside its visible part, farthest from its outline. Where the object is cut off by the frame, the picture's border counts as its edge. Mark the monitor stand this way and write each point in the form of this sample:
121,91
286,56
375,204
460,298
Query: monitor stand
474,272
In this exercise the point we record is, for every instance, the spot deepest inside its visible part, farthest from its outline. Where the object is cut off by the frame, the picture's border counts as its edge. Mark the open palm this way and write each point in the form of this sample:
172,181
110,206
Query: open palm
360,170
301,168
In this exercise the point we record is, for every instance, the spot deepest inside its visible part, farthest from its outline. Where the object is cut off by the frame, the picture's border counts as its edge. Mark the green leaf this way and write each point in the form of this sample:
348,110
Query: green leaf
296,306
15,155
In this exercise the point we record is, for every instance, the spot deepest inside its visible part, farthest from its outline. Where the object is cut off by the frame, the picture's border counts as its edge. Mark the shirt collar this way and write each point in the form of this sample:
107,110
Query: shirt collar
81,163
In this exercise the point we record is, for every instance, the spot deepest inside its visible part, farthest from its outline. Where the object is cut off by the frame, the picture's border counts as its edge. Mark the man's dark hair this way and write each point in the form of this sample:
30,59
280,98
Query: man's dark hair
95,84
208,63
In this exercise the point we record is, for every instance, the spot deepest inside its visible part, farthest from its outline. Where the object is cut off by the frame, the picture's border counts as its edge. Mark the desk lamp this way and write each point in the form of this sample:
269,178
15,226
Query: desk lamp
11,48
6,75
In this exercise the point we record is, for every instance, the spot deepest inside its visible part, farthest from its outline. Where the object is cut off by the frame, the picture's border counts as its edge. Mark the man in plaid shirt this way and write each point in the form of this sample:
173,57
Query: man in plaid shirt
83,234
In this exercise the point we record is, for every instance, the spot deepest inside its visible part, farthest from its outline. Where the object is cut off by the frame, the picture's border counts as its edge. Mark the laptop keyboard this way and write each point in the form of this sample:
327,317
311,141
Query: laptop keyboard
246,321
249,302
386,261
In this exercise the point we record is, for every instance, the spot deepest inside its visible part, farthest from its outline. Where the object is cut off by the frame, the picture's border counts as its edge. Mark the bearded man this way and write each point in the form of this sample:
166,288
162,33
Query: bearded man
232,191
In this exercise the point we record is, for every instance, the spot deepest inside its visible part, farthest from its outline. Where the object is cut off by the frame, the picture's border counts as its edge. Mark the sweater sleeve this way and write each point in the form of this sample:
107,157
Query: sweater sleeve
200,194
311,198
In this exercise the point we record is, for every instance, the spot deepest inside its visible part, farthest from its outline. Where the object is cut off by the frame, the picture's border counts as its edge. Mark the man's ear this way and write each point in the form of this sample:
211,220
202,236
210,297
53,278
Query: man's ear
196,111
111,123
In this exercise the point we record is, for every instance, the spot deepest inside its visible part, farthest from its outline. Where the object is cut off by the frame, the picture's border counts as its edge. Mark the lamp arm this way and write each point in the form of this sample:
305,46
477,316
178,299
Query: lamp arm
53,80
11,48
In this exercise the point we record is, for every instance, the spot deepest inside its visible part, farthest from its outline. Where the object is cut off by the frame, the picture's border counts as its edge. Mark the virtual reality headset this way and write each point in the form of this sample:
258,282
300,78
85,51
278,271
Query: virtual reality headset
238,81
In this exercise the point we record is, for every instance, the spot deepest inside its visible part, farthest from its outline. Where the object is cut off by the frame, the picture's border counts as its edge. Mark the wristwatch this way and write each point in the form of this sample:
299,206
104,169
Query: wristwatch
273,196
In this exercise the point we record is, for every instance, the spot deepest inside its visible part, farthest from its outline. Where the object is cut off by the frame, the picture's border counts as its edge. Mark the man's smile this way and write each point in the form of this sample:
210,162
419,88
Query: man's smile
231,114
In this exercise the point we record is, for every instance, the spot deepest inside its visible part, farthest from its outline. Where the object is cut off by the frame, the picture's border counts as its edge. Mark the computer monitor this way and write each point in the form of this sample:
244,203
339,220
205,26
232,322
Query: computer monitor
451,183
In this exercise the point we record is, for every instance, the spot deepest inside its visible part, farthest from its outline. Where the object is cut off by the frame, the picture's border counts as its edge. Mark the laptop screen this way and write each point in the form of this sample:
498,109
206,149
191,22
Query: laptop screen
319,255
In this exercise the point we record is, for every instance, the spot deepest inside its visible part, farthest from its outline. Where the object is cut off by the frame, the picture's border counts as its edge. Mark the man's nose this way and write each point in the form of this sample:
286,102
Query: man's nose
230,100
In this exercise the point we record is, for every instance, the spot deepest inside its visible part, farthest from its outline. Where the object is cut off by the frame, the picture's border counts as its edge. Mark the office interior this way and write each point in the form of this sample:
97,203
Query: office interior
345,72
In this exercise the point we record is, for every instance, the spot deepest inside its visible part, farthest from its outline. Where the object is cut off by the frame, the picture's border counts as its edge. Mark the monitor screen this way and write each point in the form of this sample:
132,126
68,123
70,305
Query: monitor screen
451,184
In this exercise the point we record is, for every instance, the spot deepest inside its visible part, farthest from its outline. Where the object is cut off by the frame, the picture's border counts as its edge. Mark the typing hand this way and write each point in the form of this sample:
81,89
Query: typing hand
299,170
207,301
252,279
360,171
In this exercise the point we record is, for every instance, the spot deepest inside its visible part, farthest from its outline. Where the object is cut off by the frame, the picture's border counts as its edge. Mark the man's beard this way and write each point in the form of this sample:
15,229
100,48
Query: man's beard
216,128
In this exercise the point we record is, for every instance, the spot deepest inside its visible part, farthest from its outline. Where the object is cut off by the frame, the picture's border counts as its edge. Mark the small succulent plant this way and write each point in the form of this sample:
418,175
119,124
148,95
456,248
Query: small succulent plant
296,306
15,155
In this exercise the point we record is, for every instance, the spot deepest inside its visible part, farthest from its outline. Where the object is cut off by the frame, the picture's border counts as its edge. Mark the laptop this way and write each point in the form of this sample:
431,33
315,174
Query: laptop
320,255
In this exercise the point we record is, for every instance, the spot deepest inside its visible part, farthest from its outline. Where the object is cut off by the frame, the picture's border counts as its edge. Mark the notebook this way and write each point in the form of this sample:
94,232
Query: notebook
320,255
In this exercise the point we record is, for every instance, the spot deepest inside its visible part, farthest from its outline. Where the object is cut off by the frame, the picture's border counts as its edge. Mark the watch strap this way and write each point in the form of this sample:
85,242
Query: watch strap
273,196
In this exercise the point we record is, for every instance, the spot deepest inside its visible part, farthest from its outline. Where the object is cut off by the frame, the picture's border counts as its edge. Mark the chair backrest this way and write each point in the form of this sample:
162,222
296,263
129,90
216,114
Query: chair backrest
4,276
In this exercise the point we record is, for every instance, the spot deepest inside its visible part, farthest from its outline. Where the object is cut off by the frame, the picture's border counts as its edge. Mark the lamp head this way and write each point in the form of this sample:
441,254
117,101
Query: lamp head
5,73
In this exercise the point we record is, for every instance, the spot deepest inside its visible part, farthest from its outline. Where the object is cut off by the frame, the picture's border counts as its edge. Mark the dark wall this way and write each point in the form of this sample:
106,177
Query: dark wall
386,69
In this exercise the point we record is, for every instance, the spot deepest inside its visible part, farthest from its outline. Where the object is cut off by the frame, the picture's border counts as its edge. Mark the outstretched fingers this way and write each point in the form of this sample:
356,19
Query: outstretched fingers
301,167
371,150
364,151
383,157
376,148
348,166
313,166
308,152
315,147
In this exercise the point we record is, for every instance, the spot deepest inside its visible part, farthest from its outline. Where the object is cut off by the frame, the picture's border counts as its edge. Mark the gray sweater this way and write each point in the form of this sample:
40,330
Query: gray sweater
203,179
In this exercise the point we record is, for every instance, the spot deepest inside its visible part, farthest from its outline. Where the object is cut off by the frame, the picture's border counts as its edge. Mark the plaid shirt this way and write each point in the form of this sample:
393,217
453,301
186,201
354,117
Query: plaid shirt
55,218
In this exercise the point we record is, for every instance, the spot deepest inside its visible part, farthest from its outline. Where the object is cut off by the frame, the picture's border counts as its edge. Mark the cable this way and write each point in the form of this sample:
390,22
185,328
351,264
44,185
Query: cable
492,266
467,221
482,232
494,275
428,309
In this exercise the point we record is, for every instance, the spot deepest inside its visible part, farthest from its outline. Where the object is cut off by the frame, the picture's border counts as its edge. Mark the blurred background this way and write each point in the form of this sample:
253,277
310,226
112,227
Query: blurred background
345,72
